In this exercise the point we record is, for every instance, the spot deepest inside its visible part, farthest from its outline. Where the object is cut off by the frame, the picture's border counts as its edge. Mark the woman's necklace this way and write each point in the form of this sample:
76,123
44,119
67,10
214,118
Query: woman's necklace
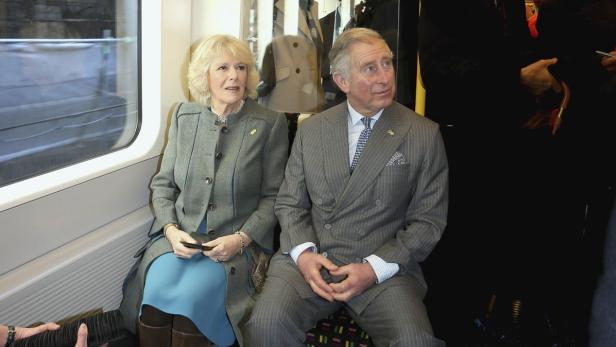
222,120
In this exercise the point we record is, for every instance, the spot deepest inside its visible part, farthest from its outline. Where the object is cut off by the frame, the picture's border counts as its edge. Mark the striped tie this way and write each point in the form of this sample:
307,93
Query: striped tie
361,142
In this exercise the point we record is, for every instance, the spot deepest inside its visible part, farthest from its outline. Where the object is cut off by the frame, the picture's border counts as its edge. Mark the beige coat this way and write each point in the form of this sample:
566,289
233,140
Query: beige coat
191,178
298,86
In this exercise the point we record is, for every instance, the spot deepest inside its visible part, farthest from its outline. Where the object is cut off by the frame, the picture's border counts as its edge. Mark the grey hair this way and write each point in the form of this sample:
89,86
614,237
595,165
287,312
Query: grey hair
201,61
339,57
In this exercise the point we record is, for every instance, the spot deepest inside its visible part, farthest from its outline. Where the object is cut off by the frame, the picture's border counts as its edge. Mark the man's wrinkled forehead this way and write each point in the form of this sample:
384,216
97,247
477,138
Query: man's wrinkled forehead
363,51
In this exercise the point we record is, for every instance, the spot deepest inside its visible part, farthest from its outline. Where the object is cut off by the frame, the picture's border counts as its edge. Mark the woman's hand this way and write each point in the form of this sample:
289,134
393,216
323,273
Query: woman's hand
175,236
226,247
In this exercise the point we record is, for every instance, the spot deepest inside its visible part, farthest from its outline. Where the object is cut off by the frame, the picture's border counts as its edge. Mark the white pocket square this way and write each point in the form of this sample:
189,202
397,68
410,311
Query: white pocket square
396,159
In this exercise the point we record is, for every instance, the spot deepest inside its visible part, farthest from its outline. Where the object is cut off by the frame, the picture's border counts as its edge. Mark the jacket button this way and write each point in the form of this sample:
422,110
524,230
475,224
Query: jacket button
319,201
219,155
211,207
328,226
297,70
232,270
208,180
295,44
224,130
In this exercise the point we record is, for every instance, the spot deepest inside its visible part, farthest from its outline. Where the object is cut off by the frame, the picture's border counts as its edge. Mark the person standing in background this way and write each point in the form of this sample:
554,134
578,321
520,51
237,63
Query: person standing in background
512,233
574,31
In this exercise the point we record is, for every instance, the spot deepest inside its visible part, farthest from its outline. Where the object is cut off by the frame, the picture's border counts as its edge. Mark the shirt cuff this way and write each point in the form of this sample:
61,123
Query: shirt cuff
381,268
299,249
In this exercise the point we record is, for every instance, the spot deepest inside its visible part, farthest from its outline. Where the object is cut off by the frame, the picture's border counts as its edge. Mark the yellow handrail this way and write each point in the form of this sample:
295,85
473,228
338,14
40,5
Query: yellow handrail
420,93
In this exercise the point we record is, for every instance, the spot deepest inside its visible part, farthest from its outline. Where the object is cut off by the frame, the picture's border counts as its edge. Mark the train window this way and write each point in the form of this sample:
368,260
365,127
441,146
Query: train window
69,85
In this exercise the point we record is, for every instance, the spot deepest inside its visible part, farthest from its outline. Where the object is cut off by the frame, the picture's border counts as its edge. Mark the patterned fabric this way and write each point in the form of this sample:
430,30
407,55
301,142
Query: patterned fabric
221,120
397,159
314,32
337,22
361,143
338,330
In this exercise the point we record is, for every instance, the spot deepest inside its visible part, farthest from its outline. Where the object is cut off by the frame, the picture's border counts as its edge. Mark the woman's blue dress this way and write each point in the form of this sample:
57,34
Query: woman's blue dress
194,288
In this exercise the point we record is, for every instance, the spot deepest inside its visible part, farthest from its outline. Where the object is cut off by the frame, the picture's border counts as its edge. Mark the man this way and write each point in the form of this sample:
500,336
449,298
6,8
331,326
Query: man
514,235
573,31
364,200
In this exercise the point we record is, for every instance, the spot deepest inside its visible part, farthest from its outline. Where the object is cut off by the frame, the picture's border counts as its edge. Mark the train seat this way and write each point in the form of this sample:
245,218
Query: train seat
337,330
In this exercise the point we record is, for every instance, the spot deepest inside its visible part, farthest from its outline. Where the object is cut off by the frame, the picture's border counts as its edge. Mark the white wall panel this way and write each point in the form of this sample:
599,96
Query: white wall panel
215,17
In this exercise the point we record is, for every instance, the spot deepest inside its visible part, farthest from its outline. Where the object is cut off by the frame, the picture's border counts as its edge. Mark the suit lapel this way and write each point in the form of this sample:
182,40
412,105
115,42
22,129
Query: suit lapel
386,137
335,143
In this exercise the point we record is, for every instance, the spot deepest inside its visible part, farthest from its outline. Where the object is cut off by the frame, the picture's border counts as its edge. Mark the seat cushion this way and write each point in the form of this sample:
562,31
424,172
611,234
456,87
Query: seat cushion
337,330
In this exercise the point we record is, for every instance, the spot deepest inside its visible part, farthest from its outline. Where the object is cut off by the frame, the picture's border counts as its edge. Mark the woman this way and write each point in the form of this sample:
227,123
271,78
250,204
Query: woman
217,183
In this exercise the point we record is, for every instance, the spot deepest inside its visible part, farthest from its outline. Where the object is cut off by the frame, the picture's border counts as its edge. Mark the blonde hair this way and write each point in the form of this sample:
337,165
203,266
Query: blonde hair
201,61
339,54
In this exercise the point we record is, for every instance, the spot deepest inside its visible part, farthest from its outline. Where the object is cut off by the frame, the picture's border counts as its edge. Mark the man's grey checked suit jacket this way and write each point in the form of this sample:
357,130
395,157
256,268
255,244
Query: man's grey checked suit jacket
394,205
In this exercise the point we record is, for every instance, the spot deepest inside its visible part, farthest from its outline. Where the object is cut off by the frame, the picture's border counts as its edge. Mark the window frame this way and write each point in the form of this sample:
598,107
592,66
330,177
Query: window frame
146,143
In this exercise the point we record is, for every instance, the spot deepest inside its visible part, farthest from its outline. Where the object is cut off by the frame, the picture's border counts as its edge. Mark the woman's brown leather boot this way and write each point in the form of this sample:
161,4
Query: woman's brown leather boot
186,334
154,328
